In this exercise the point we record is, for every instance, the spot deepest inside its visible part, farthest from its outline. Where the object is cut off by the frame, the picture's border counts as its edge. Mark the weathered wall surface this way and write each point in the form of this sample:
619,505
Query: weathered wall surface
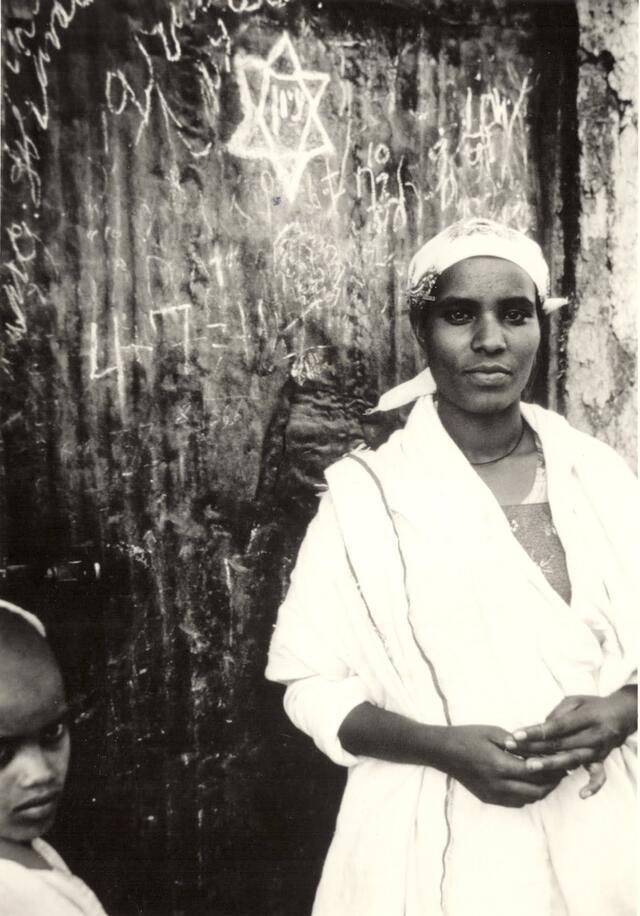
208,209
600,386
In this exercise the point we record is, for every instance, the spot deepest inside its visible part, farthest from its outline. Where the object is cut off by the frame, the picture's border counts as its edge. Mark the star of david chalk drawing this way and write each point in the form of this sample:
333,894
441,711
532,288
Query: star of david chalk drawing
280,113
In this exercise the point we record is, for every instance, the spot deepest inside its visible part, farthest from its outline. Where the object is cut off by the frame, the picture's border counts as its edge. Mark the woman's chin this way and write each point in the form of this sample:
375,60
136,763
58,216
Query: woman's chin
485,401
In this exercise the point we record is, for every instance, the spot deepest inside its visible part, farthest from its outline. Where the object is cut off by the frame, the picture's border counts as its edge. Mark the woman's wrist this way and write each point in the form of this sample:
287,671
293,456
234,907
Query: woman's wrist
626,705
440,747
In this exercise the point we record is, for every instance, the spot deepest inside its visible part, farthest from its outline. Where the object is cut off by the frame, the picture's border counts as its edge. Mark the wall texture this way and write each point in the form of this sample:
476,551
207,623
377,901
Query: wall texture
208,209
600,386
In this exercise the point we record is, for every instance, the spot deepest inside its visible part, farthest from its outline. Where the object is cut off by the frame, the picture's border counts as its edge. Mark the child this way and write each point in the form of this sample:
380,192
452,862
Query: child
34,758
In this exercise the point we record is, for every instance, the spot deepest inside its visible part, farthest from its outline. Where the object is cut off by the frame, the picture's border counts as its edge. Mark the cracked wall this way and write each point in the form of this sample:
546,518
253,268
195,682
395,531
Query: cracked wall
599,388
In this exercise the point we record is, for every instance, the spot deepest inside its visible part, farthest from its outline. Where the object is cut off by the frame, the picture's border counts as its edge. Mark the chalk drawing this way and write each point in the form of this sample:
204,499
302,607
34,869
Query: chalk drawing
281,122
182,312
309,271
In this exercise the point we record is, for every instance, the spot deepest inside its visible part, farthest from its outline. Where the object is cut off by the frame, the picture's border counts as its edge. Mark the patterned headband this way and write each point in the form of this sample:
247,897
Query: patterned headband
477,238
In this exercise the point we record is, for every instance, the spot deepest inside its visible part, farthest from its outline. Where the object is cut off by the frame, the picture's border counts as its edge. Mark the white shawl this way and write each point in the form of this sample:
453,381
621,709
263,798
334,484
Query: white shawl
411,592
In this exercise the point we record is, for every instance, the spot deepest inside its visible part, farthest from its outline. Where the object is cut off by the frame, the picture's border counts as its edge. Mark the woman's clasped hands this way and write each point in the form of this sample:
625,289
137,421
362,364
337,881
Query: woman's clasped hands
579,731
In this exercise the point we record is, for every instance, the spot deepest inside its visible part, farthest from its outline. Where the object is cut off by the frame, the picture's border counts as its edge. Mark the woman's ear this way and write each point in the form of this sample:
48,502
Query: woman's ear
419,330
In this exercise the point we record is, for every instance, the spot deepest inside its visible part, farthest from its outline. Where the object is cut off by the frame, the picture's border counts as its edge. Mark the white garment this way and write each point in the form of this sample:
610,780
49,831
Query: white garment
436,612
44,892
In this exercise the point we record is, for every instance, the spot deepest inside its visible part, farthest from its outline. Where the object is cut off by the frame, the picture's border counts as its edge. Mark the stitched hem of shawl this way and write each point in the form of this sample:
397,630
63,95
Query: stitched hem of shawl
377,631
448,804
445,706
425,658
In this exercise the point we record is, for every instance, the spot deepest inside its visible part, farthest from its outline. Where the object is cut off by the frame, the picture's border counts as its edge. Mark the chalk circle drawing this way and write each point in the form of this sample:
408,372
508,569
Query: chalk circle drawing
280,122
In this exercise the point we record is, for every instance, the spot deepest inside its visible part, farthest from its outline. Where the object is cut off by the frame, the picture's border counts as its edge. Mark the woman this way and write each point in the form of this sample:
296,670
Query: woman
461,621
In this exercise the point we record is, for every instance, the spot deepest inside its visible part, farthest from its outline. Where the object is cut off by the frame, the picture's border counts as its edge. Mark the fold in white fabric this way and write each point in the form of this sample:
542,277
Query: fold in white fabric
483,237
44,892
411,592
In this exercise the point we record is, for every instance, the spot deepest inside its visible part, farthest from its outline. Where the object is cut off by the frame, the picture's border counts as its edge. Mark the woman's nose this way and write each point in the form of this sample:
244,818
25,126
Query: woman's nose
488,336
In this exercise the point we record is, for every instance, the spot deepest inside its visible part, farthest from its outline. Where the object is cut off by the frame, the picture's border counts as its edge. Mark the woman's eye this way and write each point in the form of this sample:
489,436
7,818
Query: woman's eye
457,316
516,316
53,734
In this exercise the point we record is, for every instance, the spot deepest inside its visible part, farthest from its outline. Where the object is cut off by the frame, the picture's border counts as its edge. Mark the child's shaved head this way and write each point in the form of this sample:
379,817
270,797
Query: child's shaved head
34,743
28,668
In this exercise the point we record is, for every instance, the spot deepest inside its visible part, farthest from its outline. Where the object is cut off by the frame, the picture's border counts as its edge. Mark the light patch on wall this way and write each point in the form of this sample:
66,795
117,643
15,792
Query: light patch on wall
281,122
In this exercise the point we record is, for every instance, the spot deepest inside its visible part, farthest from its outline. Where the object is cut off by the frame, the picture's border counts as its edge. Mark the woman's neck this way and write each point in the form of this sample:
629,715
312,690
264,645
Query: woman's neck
482,437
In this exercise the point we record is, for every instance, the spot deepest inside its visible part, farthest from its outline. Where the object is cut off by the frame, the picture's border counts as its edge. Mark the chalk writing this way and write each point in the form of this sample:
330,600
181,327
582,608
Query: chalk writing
281,122
19,286
29,50
181,312
24,157
120,96
486,166
39,56
386,209
194,7
117,368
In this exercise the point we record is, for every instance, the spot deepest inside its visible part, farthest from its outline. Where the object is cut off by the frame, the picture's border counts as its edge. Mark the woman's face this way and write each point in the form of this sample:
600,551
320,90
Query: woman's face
34,753
481,335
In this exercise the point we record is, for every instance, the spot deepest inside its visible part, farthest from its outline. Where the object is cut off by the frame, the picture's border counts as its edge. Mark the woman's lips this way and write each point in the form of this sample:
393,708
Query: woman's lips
489,376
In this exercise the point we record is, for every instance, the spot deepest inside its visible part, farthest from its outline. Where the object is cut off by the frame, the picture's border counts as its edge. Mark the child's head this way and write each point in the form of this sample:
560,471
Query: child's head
34,741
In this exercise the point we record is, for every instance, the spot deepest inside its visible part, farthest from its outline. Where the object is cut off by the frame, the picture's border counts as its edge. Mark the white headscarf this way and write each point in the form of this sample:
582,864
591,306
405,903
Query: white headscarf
26,615
474,238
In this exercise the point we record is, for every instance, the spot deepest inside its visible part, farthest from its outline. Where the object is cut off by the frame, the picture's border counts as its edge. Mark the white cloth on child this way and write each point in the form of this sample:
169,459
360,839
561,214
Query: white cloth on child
52,891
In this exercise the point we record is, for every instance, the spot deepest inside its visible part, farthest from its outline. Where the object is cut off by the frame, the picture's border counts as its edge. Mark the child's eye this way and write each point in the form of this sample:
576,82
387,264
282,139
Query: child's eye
53,734
7,751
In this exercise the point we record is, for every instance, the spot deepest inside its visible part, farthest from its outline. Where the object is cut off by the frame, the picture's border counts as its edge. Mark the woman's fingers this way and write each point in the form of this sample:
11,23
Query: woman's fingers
510,767
597,778
585,738
567,724
563,760
516,793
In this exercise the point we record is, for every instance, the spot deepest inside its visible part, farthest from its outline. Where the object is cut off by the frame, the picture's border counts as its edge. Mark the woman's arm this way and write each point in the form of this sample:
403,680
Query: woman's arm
474,755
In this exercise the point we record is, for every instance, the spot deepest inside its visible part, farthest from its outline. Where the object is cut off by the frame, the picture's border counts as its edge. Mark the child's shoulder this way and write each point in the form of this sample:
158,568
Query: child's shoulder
26,855
47,853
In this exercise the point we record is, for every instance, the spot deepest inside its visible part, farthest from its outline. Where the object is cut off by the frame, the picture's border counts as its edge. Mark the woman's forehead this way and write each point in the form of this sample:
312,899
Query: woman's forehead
473,276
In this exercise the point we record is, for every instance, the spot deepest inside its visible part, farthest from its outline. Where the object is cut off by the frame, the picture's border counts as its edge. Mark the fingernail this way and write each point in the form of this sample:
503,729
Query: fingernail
534,764
510,744
520,735
585,793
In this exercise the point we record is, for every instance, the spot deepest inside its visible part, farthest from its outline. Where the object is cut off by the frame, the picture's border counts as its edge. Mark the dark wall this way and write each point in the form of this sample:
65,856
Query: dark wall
208,210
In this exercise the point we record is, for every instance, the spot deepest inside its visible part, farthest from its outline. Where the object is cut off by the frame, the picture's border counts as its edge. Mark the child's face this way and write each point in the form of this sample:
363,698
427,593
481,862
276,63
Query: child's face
34,751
